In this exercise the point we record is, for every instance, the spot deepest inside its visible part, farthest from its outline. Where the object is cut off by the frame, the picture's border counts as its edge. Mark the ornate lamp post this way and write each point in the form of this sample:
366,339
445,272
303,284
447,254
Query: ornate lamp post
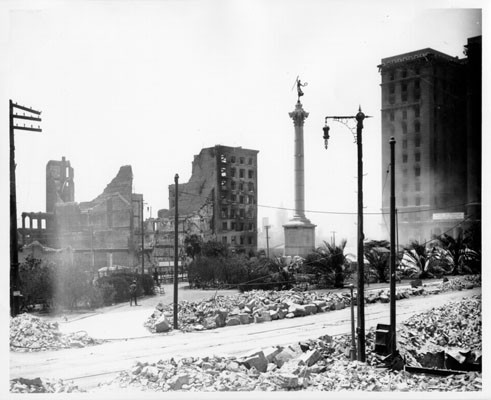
360,300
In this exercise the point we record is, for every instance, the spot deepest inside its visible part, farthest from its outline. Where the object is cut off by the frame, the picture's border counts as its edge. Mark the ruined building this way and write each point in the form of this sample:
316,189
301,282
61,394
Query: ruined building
431,105
219,202
103,232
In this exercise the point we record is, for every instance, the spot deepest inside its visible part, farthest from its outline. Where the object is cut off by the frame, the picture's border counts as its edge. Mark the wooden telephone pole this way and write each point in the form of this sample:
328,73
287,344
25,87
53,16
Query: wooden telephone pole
14,255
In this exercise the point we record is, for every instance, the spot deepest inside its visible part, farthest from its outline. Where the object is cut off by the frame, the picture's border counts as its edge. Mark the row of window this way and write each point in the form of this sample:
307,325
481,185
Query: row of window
417,201
242,240
417,172
417,187
417,142
240,199
237,226
417,157
391,114
233,173
241,186
403,73
236,213
233,159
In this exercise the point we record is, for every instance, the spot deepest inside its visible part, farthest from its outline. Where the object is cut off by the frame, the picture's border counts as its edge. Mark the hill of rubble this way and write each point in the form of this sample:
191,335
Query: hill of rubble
323,363
260,306
31,333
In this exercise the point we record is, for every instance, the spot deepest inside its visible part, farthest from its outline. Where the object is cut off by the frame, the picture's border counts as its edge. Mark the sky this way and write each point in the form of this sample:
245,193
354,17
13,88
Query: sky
151,83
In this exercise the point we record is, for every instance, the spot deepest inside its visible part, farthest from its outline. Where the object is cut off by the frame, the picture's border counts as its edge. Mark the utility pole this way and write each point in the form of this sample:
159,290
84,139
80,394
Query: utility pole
333,239
267,239
360,295
14,255
143,242
393,341
176,259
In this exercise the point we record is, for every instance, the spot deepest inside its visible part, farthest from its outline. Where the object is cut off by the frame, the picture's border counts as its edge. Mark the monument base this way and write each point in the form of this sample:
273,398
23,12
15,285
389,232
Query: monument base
299,237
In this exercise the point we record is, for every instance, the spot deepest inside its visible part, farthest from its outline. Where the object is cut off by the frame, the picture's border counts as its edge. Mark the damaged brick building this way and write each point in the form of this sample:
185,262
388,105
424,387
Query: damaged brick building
103,232
219,202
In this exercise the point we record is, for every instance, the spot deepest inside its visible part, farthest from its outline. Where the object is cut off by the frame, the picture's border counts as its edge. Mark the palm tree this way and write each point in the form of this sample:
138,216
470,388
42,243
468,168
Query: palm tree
329,263
457,253
417,260
377,254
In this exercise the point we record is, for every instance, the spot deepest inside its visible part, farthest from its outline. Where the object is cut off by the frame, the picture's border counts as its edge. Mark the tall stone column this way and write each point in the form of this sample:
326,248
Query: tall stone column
299,116
299,231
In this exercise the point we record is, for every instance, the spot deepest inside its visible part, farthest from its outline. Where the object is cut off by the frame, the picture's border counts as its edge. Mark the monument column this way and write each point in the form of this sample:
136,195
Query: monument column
299,231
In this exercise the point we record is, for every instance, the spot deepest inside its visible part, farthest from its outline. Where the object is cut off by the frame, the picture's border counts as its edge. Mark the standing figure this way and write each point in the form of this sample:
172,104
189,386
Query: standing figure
299,88
133,293
156,277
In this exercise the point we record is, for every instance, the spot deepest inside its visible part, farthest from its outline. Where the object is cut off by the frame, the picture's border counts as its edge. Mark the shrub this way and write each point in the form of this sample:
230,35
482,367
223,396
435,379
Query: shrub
107,292
36,282
121,282
73,284
329,264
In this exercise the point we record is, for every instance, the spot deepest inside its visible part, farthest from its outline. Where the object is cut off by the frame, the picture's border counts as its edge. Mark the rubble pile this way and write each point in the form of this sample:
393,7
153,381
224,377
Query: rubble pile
460,283
251,307
31,333
321,364
22,385
453,330
260,306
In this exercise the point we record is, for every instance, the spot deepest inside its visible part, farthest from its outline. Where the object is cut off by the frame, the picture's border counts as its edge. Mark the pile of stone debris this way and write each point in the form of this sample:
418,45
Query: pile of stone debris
259,306
31,333
36,385
313,365
449,337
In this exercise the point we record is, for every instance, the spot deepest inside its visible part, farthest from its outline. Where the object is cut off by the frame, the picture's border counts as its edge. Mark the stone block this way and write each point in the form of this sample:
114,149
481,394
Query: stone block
287,381
162,324
177,381
384,298
274,315
271,352
283,356
257,361
310,308
244,318
209,323
339,305
297,309
233,321
258,319
290,315
219,320
309,358
282,314
320,304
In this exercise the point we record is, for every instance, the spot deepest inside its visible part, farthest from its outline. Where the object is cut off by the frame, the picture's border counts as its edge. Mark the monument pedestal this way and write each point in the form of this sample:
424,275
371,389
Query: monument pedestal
299,237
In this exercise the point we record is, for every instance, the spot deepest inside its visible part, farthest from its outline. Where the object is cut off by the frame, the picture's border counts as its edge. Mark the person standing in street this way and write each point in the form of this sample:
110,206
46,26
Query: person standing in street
133,293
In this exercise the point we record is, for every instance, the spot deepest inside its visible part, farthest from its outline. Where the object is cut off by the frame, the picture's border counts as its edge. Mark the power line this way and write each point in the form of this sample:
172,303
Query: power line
341,212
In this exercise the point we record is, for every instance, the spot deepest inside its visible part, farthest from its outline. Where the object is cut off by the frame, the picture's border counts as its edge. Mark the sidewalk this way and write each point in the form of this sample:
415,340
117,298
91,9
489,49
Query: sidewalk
121,321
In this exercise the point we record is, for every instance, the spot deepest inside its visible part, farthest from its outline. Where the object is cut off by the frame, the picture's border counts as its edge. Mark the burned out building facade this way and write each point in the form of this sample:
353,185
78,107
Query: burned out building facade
431,105
101,233
219,202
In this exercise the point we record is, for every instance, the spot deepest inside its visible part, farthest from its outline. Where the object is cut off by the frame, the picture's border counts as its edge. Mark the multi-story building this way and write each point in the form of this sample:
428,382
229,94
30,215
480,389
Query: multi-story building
431,105
100,233
222,194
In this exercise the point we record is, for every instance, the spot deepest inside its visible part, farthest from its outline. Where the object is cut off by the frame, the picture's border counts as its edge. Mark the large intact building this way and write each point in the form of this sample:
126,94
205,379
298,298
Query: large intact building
219,202
431,105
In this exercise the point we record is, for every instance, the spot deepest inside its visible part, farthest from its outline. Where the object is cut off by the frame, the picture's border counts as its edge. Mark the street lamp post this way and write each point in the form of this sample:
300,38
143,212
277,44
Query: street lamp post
360,300
393,342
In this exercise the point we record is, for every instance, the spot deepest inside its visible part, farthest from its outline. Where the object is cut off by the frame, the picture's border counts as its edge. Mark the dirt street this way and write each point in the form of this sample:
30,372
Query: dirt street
91,365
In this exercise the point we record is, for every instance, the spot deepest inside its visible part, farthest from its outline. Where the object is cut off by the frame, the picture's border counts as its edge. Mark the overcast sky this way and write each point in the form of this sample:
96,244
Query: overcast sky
151,83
